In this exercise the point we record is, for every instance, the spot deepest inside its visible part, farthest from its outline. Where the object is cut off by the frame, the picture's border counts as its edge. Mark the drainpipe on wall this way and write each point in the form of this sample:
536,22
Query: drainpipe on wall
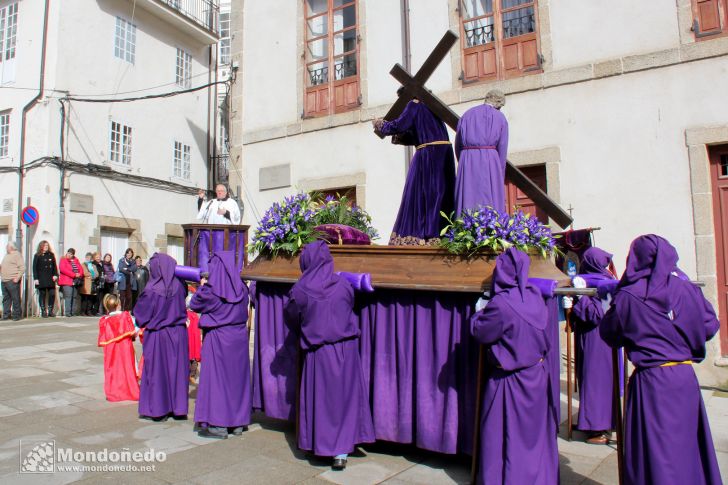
407,63
209,161
26,108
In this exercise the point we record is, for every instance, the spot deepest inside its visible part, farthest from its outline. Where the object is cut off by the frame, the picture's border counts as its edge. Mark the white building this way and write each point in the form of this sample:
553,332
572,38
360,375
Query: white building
131,169
619,107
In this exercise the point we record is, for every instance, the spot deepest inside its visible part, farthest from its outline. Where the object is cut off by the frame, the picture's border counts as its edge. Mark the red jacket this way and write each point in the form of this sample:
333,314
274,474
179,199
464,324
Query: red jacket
66,270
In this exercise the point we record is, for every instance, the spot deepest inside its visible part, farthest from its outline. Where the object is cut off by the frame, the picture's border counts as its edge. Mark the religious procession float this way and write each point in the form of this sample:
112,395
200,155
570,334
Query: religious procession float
413,309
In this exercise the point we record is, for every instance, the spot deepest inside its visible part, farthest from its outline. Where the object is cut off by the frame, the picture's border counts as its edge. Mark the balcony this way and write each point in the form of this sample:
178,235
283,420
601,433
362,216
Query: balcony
197,18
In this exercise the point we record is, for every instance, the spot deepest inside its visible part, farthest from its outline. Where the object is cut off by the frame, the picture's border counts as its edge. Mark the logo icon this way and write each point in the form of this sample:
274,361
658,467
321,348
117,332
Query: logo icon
40,459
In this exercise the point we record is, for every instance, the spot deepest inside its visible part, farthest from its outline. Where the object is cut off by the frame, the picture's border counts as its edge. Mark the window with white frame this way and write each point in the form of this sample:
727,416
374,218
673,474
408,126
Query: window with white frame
181,160
184,68
4,133
120,143
8,41
224,38
125,40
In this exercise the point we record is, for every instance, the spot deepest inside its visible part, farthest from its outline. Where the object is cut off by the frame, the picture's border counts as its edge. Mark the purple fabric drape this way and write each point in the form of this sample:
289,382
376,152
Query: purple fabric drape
419,362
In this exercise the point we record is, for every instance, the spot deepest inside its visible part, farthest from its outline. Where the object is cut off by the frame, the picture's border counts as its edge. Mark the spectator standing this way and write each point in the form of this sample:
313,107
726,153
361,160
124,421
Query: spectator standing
12,270
70,279
142,276
108,271
127,267
45,278
89,288
100,284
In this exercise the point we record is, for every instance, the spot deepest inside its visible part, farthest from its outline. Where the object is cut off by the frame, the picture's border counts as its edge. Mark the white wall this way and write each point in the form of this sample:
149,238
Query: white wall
588,31
270,65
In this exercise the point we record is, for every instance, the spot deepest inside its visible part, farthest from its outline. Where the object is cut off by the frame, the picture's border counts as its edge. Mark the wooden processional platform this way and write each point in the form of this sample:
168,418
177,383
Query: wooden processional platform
404,267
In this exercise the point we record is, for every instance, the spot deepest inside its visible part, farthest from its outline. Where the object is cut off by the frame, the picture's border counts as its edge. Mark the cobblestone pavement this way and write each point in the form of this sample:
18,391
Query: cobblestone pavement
51,388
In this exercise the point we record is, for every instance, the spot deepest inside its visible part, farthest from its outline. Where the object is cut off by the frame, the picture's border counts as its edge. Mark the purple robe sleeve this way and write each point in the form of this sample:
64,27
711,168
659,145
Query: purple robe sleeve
402,124
710,320
203,300
145,308
589,311
502,146
487,325
611,328
291,313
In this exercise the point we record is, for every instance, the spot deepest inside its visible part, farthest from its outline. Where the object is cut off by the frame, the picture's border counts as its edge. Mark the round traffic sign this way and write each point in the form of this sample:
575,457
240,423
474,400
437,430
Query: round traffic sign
30,215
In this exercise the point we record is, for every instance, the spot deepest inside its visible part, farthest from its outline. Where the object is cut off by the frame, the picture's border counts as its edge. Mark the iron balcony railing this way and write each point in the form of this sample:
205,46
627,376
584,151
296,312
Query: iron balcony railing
220,168
205,13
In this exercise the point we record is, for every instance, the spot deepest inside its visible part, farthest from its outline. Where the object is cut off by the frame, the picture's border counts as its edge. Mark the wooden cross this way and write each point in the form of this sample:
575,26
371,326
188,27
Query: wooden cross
414,87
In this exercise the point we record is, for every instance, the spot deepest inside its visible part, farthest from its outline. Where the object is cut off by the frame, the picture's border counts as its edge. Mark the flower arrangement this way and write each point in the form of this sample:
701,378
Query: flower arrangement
290,225
486,228
285,227
340,211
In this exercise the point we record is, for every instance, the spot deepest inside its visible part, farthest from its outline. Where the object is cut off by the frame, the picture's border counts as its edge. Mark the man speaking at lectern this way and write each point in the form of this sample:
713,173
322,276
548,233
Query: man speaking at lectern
221,210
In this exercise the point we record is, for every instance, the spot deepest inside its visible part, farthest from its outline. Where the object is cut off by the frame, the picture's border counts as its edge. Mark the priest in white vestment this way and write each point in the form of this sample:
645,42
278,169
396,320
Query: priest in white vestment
220,210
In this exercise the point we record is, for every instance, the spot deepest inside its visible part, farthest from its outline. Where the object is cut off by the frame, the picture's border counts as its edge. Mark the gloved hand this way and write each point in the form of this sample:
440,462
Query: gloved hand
568,302
578,282
482,301
607,302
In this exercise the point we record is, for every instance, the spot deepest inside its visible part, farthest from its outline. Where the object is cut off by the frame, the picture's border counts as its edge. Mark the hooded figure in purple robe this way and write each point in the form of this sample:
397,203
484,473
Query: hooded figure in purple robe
334,414
594,356
664,322
517,425
481,146
430,179
224,394
161,312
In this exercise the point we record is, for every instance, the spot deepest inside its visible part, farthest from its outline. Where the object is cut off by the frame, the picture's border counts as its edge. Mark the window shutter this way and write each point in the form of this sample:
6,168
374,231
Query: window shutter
520,55
346,94
708,16
480,63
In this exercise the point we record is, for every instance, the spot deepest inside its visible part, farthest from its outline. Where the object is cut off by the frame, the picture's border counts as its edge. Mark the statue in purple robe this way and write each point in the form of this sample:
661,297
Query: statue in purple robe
594,356
428,189
334,414
224,394
481,146
517,424
161,312
664,322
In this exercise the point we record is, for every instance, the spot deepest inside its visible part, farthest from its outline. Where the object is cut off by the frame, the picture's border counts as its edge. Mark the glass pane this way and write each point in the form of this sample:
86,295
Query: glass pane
317,49
345,42
318,73
315,6
479,32
724,165
518,22
339,3
345,66
514,3
318,26
346,17
476,8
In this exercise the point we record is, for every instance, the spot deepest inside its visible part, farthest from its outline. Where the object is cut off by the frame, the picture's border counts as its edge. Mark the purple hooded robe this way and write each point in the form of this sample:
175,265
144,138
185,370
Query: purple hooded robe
161,312
481,145
517,425
334,410
662,319
431,176
594,356
224,392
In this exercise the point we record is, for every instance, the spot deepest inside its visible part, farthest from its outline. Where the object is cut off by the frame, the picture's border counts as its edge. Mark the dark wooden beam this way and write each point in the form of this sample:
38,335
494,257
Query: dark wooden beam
414,89
423,74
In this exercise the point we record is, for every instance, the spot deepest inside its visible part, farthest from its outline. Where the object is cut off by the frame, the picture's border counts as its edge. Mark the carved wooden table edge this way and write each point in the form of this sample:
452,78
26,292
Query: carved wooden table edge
404,268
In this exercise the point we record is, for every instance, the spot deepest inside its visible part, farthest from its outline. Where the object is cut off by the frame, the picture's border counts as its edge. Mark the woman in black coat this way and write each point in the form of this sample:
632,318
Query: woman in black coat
45,276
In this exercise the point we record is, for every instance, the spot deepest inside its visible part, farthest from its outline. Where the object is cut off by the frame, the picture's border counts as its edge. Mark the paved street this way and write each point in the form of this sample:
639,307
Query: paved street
51,389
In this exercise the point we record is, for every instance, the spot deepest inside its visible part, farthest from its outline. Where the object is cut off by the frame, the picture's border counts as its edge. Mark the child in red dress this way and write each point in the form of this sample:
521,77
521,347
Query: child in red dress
116,333
194,337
